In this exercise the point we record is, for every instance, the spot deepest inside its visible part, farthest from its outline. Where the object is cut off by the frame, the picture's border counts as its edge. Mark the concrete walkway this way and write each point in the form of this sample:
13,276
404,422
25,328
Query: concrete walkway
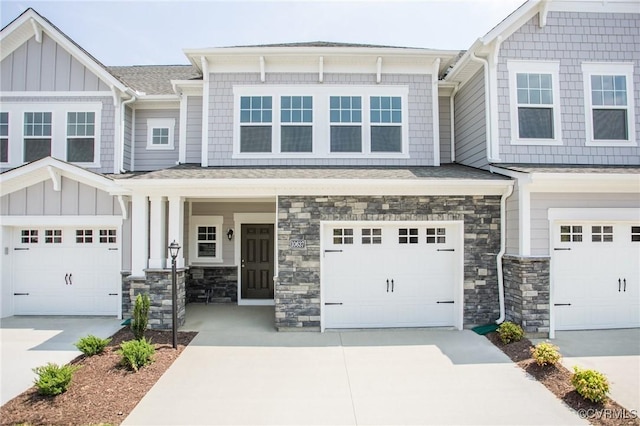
615,353
239,370
31,341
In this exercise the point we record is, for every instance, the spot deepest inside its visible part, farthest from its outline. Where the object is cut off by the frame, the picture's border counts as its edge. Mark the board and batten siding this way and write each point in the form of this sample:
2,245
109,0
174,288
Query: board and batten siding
445,129
154,159
470,123
226,210
194,130
46,66
570,38
221,101
127,153
542,202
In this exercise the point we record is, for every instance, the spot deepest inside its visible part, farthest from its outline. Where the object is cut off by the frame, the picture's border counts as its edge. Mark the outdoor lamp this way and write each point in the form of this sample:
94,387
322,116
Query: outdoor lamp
174,248
230,234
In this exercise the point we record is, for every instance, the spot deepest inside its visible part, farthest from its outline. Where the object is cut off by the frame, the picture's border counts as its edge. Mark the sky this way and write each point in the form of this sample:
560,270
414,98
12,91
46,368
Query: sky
155,32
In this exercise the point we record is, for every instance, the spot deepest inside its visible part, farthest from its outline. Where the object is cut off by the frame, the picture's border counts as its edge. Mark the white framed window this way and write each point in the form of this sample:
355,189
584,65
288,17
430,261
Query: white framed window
84,236
343,236
161,133
408,235
53,236
81,141
571,233
29,236
67,131
4,137
535,103
206,239
321,121
609,104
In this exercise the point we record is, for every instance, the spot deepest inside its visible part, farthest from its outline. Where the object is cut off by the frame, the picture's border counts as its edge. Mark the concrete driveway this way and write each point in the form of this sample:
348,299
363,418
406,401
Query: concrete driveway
616,353
239,370
30,341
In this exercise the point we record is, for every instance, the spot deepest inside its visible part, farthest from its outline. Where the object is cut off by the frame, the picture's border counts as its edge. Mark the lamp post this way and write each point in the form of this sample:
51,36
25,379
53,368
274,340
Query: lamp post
174,248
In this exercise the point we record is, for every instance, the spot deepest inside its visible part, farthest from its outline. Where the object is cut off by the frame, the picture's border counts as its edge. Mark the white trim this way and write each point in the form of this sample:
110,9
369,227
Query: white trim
175,230
435,112
57,95
157,238
204,146
594,214
161,123
609,68
61,220
534,67
209,220
139,234
240,219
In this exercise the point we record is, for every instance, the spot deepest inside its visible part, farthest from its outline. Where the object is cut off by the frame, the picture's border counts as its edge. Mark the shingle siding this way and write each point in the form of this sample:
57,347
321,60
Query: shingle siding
470,123
194,130
127,154
570,38
147,159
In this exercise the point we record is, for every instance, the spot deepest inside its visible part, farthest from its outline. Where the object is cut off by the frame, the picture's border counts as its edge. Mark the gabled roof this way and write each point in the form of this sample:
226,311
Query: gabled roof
155,79
30,23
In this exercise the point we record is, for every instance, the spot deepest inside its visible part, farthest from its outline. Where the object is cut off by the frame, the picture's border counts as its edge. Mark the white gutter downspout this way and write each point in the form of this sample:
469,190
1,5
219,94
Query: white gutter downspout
452,112
503,244
122,129
487,102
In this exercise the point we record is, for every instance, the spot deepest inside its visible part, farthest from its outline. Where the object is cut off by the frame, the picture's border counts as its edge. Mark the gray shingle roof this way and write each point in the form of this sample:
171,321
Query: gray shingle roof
558,168
154,79
188,171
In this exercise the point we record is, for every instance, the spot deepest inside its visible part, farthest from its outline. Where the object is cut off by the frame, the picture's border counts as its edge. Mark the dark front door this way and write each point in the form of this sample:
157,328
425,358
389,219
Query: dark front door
257,262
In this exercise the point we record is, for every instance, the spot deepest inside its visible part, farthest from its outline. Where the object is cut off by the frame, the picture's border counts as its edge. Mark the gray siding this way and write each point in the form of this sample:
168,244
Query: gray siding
470,123
226,210
46,66
194,130
542,202
107,120
128,143
445,129
147,159
420,120
571,38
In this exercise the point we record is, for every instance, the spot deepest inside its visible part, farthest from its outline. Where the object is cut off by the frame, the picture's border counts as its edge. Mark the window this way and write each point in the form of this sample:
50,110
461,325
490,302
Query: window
296,131
53,236
635,233
436,236
160,133
534,94
343,236
84,236
386,124
81,137
37,135
609,104
29,236
255,129
569,233
4,137
408,235
602,234
206,239
107,236
372,236
346,129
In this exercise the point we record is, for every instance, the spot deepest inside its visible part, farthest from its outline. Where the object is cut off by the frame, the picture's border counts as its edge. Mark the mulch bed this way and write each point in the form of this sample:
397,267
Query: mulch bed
101,391
557,379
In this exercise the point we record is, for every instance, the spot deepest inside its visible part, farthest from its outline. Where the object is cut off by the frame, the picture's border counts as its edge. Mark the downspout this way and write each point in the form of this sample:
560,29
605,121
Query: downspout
487,102
503,244
452,112
122,129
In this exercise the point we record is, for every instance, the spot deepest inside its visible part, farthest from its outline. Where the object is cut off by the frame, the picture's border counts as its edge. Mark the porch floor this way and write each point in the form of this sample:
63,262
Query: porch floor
229,318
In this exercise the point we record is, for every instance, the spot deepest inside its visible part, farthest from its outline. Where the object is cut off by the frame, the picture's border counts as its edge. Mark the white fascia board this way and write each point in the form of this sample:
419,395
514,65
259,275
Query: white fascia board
188,87
585,182
513,22
100,220
462,63
272,187
595,6
157,102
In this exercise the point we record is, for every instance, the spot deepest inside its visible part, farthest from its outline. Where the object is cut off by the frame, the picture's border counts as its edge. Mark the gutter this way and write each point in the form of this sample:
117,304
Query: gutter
503,244
122,129
487,102
452,112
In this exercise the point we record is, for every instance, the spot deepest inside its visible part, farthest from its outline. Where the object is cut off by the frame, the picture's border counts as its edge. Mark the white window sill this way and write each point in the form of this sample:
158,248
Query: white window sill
611,143
160,147
546,142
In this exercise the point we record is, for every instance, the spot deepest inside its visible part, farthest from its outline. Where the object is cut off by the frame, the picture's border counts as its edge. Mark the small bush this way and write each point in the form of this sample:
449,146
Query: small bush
140,316
590,384
54,379
510,332
92,345
136,353
545,353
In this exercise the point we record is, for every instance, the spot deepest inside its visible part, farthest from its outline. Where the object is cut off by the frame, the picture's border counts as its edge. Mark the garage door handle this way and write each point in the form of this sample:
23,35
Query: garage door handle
113,294
446,249
619,285
66,279
333,251
625,285
332,303
562,304
562,248
387,286
392,286
445,301
21,248
20,294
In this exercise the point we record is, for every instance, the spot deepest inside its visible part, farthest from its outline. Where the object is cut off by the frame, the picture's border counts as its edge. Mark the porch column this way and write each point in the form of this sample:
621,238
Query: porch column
176,227
139,235
158,234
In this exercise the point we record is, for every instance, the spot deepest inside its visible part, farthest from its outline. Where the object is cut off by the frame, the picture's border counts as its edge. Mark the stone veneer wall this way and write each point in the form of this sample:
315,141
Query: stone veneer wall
297,292
221,280
526,287
157,284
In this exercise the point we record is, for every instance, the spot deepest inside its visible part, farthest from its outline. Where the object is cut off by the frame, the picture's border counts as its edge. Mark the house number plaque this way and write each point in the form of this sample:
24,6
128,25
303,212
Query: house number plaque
297,244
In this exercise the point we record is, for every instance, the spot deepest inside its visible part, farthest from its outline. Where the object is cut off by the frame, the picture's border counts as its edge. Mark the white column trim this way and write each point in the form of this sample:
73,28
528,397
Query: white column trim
204,149
157,238
139,235
176,227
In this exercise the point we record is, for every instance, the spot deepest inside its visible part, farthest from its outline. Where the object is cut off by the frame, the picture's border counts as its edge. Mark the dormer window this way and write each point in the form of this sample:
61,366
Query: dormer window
160,133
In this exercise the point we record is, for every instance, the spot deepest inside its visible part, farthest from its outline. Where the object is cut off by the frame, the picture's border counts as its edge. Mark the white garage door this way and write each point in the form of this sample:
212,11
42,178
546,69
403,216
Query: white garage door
596,274
66,271
383,275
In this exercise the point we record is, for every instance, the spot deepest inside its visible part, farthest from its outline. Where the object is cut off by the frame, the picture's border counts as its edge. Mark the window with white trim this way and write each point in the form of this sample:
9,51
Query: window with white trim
535,108
635,233
206,239
53,236
602,233
343,236
160,133
84,236
386,123
37,135
345,114
256,116
408,235
29,236
107,236
571,233
296,128
372,236
81,142
4,137
436,235
609,103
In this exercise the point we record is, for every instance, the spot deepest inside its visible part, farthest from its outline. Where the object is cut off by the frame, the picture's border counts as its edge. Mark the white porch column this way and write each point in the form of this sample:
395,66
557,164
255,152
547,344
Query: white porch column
176,227
158,234
139,235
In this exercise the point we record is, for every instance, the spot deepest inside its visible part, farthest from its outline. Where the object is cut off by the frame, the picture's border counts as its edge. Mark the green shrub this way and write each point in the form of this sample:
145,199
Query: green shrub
136,353
590,384
545,353
92,345
140,316
510,332
54,379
